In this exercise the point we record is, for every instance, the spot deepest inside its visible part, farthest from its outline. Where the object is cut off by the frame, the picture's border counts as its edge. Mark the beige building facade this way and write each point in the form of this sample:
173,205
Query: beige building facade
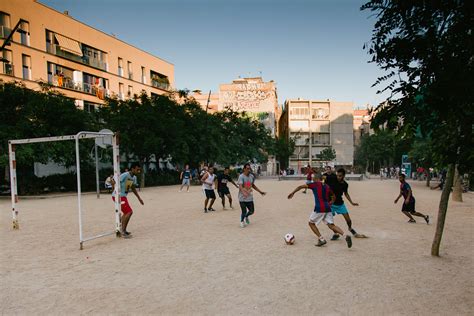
76,59
316,125
361,125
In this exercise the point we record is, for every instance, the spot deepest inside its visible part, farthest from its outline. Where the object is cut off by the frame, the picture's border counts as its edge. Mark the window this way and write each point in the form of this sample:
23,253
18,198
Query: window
4,25
121,96
120,67
130,91
7,64
143,75
26,61
299,112
90,107
159,80
129,70
24,31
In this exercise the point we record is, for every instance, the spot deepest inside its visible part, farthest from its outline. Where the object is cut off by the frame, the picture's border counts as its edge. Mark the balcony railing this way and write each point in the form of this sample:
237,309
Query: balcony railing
88,88
4,31
7,69
161,85
87,60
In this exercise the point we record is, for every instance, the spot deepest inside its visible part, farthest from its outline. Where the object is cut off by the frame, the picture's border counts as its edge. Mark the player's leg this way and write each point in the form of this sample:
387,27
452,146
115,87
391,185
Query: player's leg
425,217
205,203
315,219
212,196
328,219
229,196
127,213
251,210
222,197
243,208
408,210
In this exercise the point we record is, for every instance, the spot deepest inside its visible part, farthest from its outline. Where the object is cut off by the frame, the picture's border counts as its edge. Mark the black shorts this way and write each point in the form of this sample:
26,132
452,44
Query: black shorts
409,208
223,192
210,194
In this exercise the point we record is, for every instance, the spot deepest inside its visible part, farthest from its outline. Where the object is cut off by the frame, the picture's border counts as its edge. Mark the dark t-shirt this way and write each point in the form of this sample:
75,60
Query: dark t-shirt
404,188
222,180
339,188
331,179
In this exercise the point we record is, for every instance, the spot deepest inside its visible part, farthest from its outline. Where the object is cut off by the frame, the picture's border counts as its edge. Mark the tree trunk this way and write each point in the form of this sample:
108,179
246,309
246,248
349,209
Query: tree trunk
428,178
457,186
443,207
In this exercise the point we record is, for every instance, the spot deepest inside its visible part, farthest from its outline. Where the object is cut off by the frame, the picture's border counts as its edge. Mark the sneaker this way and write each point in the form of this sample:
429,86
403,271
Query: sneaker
335,237
427,219
127,233
205,210
321,242
349,241
124,235
242,224
247,221
211,209
412,221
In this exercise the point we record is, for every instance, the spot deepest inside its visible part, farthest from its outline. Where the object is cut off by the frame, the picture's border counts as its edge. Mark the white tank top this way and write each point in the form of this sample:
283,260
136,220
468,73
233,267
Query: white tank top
209,182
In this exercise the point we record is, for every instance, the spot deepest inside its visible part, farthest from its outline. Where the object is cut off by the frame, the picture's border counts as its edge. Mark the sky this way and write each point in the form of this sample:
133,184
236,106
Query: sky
312,49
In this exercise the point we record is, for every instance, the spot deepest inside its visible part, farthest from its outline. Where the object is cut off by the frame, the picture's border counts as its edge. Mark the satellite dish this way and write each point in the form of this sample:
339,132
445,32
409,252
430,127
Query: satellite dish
104,141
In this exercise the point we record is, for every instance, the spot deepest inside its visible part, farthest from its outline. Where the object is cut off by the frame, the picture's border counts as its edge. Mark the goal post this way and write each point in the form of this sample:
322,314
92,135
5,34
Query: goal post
12,144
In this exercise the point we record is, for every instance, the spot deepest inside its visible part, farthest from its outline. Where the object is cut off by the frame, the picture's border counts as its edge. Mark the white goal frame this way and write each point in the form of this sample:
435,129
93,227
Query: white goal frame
81,135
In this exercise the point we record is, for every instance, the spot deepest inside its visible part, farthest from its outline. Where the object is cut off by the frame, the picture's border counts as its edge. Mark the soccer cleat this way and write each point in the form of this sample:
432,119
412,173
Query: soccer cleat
247,221
242,224
427,219
349,241
335,237
321,243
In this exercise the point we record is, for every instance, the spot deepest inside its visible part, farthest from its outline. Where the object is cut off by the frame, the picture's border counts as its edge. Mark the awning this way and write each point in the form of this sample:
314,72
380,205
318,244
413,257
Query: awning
69,45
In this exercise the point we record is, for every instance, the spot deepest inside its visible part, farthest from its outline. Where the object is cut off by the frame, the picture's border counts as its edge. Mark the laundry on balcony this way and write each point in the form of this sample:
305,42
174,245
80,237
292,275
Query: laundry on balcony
69,45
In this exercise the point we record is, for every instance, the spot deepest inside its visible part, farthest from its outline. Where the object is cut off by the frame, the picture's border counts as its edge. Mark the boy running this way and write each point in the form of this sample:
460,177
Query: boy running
246,184
408,207
186,178
323,197
223,189
208,186
126,184
338,207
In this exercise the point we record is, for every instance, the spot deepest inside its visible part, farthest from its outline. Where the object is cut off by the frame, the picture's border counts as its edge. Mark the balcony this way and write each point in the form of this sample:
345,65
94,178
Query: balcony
66,83
160,84
4,31
7,69
93,62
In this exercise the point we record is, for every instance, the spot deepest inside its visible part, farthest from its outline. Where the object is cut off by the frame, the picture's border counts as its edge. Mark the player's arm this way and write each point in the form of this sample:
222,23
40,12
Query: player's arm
258,190
134,190
348,197
398,197
204,177
301,187
181,176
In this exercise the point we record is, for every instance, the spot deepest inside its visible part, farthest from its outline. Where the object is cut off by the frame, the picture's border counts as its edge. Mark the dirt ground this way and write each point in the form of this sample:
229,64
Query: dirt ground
182,261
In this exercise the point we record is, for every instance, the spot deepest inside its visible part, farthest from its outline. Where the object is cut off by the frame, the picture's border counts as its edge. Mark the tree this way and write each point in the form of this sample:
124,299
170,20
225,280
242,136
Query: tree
283,149
327,154
421,153
426,48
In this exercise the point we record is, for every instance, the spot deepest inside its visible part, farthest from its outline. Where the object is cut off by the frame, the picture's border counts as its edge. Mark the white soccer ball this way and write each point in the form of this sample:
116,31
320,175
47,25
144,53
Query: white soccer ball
290,239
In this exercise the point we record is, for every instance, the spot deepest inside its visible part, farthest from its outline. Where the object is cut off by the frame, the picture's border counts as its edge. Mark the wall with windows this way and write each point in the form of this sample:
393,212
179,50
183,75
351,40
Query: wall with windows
48,37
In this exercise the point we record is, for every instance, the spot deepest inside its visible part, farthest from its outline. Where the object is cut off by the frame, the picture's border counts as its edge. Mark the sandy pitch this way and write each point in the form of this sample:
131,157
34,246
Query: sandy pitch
182,261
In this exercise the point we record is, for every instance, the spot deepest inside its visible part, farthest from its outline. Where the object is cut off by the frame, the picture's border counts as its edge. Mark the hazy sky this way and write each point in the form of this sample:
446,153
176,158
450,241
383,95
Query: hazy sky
311,48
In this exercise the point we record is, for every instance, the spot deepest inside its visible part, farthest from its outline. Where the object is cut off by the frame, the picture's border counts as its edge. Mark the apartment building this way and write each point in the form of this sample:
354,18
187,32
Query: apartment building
78,60
316,125
361,124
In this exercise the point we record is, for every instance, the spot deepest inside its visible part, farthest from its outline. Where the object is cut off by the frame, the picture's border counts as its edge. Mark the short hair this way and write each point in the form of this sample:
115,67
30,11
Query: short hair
134,165
227,167
402,175
341,170
247,164
318,175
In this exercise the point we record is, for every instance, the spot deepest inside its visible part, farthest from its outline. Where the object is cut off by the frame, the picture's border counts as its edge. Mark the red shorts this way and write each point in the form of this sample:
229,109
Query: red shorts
124,205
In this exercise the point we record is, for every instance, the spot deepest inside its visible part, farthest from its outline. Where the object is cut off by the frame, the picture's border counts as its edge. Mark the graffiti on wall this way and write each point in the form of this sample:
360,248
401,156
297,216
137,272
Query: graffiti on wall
248,97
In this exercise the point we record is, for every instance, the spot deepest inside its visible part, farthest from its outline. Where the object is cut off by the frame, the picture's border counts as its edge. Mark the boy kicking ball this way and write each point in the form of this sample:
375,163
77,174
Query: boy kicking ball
323,197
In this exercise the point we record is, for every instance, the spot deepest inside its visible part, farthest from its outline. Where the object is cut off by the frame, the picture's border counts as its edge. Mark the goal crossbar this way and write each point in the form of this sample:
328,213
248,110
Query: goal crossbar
81,135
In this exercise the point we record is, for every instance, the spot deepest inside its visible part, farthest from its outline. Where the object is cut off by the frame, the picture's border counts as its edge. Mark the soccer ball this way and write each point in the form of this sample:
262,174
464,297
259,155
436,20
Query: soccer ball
289,239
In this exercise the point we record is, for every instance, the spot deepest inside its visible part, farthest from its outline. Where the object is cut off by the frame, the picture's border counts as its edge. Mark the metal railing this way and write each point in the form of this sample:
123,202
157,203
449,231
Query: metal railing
161,85
85,87
94,62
